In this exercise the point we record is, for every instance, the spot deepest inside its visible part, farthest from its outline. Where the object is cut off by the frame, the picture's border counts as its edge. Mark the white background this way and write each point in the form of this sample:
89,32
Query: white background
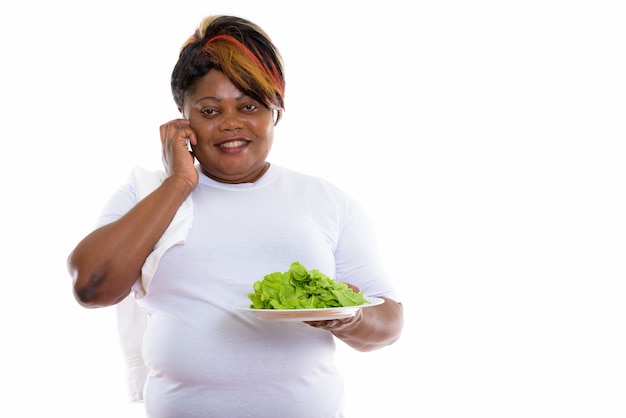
485,137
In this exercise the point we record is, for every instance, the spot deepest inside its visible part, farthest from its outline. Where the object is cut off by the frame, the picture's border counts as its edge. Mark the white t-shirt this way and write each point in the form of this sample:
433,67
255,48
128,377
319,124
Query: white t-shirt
207,359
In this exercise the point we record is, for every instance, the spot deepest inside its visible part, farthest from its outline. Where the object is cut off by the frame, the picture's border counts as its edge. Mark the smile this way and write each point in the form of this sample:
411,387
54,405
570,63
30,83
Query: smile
233,144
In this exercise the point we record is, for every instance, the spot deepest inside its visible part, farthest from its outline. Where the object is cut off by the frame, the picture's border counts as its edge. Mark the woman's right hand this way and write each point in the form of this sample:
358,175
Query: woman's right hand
107,262
177,159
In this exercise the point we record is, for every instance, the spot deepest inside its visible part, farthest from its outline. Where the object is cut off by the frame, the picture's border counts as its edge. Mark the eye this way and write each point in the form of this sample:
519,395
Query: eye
209,112
249,107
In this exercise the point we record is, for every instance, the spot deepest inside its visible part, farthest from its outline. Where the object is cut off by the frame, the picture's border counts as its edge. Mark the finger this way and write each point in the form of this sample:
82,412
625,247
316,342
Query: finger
184,137
177,129
353,287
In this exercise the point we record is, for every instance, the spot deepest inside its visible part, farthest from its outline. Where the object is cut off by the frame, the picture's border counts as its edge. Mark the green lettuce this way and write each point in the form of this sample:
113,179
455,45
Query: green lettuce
299,288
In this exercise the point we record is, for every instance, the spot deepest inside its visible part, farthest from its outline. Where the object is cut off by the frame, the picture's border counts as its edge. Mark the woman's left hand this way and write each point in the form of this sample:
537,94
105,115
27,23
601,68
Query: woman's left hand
369,329
339,324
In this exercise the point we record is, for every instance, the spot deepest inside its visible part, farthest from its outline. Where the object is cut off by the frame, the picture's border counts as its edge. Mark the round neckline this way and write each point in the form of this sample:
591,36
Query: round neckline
267,177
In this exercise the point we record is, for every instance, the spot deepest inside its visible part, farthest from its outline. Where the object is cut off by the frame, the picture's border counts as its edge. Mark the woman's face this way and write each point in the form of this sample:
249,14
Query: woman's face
234,131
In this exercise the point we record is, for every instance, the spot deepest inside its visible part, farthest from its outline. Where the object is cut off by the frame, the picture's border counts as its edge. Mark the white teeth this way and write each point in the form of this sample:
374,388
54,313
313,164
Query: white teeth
233,144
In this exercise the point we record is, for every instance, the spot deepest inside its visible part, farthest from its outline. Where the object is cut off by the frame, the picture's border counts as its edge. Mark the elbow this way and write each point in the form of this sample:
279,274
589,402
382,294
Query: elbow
91,296
87,297
90,287
84,294
87,292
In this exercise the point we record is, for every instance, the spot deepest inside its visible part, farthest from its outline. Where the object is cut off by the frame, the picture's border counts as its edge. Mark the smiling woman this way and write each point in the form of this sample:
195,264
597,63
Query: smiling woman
176,250
231,133
240,89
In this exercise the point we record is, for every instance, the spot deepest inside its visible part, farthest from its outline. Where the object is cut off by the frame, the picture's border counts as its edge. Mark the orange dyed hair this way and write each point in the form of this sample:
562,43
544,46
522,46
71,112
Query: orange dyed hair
238,48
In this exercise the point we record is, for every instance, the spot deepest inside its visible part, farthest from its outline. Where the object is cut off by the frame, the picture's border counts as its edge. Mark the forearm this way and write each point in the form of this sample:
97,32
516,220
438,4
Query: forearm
106,263
373,328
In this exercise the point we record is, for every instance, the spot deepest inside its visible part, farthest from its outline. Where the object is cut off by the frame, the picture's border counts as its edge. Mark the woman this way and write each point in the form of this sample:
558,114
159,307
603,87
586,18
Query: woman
187,244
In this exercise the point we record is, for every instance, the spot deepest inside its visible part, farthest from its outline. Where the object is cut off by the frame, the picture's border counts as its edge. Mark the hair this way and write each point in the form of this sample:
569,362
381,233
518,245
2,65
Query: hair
238,48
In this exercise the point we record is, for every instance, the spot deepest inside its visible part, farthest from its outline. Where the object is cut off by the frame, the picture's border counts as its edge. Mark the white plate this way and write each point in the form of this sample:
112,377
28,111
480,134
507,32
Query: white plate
319,314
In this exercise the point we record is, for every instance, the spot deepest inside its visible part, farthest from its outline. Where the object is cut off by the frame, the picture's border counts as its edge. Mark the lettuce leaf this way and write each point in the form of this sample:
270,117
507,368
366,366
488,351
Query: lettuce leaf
299,288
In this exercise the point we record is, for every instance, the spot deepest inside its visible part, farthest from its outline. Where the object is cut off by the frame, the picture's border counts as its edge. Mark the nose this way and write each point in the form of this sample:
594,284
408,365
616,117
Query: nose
230,121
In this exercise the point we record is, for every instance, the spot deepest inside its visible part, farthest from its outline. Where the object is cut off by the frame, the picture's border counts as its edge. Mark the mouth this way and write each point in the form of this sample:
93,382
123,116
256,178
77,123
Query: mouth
233,144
